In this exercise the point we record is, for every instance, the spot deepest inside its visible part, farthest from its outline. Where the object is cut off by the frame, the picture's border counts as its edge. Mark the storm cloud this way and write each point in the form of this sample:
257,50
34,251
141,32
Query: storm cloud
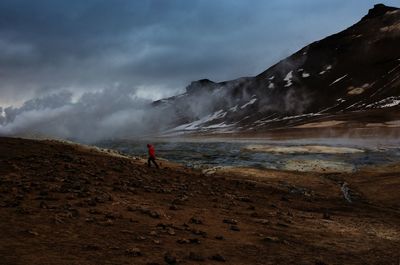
154,48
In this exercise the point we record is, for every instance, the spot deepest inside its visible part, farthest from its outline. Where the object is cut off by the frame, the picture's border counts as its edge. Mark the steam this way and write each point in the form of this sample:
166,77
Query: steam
108,113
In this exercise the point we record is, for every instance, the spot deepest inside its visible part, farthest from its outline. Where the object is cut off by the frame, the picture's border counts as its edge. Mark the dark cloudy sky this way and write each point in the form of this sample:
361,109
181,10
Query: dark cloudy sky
154,46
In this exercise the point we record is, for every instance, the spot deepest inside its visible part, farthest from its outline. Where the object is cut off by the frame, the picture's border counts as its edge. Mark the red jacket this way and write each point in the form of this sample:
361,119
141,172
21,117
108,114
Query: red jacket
152,152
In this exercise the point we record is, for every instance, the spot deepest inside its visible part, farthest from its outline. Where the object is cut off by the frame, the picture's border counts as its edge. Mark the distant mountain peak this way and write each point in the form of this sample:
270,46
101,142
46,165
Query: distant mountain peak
351,78
379,10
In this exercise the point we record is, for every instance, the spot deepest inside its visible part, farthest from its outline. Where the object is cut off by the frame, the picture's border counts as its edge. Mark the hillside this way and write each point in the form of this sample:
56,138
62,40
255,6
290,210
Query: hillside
68,204
348,80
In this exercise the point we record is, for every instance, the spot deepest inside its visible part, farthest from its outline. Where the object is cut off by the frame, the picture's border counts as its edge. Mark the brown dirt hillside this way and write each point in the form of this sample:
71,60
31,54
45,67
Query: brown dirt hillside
67,204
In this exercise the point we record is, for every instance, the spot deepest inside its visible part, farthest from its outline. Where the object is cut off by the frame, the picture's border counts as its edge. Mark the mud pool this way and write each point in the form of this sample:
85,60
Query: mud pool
298,155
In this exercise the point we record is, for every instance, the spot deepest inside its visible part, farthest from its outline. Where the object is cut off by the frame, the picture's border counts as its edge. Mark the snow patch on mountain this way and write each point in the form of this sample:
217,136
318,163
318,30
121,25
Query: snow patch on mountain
249,103
385,103
197,124
338,80
288,79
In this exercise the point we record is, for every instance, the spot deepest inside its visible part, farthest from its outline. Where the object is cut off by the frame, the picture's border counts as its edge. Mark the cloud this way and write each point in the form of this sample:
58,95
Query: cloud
51,45
60,60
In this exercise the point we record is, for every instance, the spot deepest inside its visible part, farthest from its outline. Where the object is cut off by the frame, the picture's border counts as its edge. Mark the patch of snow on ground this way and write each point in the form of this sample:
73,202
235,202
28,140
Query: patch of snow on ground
322,72
338,80
305,75
329,67
288,79
271,78
249,103
340,100
271,86
300,70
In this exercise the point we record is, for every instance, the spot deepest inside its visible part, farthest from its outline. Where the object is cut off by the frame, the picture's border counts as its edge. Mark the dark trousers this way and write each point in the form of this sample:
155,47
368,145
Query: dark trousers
152,159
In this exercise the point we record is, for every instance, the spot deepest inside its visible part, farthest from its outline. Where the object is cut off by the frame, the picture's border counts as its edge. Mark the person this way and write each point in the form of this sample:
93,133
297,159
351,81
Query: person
152,156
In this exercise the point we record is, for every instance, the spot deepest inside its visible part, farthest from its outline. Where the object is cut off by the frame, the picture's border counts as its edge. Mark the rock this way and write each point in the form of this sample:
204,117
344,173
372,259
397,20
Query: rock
153,233
133,252
272,239
171,231
234,228
195,257
263,221
173,207
244,199
31,232
188,241
183,241
219,238
251,207
90,247
282,224
230,221
169,258
194,241
326,216
195,220
199,232
218,257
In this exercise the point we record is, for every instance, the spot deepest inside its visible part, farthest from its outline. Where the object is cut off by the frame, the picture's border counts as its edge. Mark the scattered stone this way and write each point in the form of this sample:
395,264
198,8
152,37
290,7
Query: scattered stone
263,221
199,232
188,241
284,198
195,257
31,232
173,207
183,241
255,214
234,228
90,247
194,241
153,233
156,241
272,239
171,231
219,238
326,216
169,258
230,221
218,257
244,199
195,220
282,224
133,252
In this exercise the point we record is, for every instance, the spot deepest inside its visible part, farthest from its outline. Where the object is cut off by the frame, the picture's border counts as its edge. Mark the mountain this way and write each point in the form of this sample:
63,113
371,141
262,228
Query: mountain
349,79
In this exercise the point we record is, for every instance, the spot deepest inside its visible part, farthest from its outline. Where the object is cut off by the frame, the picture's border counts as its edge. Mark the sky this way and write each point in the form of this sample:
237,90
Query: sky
89,70
156,47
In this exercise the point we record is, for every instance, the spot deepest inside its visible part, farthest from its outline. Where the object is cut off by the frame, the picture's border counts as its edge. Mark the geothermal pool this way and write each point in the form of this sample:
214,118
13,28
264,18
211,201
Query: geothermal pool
322,155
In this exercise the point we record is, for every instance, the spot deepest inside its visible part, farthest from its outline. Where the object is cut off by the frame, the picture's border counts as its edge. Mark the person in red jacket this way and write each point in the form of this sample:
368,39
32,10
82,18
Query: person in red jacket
152,156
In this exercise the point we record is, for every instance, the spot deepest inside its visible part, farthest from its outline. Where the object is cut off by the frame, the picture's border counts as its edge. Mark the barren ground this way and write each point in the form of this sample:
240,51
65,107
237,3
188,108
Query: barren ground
65,204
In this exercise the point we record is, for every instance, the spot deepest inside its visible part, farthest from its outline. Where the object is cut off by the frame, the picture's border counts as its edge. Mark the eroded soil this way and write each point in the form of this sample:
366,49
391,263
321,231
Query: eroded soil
65,204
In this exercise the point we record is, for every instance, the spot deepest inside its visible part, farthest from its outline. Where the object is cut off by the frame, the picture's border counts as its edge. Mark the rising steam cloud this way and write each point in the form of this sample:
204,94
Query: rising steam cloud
112,112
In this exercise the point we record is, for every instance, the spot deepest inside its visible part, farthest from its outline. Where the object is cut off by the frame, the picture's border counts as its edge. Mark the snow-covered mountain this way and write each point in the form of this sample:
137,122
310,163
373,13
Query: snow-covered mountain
349,77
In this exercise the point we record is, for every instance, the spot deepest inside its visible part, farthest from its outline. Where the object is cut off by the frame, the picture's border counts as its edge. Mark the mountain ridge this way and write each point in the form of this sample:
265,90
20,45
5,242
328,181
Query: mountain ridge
355,70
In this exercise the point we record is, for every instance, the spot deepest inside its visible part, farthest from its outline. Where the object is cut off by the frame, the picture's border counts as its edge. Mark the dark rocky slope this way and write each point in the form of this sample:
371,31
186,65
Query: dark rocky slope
352,76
